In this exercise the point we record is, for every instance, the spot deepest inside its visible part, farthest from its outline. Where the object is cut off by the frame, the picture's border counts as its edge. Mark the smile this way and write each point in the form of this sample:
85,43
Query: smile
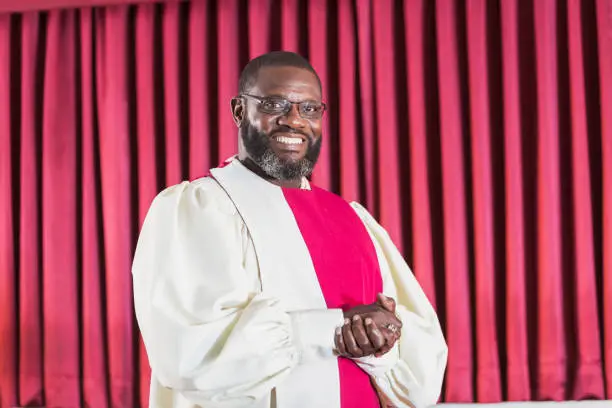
289,140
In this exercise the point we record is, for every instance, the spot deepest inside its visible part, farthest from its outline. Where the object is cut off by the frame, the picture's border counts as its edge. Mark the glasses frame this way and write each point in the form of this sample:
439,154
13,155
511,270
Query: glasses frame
261,99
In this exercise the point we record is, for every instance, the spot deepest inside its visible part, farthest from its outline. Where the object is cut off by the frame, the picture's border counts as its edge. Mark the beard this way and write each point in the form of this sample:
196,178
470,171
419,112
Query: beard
257,145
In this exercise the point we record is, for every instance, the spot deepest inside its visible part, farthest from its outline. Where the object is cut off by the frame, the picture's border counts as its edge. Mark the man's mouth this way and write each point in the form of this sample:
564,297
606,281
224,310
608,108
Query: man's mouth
289,140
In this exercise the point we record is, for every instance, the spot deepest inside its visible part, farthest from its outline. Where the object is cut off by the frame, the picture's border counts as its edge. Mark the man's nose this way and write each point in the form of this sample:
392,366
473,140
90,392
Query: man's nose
293,118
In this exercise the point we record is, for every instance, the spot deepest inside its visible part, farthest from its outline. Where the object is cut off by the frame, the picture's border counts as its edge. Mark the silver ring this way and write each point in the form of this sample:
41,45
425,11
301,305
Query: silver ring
392,328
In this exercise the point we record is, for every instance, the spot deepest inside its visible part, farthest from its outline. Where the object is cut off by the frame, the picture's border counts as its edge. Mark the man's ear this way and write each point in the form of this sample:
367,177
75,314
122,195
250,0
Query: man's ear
238,111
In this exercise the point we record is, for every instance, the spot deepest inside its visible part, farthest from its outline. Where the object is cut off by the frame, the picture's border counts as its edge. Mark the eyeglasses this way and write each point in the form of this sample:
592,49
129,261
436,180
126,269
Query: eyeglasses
276,105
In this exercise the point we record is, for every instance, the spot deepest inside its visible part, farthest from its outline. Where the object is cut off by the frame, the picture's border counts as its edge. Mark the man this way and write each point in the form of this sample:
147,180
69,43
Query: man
255,289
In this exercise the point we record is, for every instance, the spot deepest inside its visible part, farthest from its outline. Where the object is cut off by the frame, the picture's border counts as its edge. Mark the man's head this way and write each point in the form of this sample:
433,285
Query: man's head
279,115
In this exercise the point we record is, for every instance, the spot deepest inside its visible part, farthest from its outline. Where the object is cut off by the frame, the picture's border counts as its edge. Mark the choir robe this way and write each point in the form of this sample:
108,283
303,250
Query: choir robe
239,285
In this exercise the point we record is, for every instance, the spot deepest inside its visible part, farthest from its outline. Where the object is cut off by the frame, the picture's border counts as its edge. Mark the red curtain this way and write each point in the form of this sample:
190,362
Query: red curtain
478,132
29,5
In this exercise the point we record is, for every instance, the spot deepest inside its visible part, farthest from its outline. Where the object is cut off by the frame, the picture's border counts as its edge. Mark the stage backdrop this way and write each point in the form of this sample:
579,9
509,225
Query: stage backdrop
478,132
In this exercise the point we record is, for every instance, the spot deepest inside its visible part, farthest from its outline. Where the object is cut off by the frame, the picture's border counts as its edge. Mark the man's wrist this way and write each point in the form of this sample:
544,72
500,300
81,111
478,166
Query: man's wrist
311,330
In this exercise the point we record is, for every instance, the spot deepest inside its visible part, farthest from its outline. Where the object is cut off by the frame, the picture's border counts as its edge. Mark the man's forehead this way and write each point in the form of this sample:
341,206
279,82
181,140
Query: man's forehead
287,80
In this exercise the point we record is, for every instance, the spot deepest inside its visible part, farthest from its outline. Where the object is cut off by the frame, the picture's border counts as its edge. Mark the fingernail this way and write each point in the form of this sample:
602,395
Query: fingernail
356,317
346,321
338,331
368,320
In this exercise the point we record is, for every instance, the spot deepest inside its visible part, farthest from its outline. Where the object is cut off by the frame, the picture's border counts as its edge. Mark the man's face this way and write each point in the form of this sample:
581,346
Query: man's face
286,146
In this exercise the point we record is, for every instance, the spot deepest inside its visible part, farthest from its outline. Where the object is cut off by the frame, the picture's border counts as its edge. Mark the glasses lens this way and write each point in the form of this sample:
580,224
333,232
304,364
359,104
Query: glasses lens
274,105
311,110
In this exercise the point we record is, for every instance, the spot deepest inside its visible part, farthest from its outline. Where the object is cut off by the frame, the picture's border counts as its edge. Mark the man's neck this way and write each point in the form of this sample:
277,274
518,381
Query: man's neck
249,164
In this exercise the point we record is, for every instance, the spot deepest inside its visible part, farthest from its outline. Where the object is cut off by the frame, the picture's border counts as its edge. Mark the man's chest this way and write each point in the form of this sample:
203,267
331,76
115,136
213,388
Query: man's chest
341,250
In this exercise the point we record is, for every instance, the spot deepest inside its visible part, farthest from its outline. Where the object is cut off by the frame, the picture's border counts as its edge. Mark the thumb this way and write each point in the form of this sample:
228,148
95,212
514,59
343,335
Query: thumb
386,302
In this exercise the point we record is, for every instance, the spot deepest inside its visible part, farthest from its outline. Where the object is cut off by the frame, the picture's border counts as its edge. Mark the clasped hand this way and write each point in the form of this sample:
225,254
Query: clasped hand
369,329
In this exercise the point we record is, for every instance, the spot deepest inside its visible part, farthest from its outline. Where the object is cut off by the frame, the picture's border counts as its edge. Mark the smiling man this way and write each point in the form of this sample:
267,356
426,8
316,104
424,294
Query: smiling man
254,288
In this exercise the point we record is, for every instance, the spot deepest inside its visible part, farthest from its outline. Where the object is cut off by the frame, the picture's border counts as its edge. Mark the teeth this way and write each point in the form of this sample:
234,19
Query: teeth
289,140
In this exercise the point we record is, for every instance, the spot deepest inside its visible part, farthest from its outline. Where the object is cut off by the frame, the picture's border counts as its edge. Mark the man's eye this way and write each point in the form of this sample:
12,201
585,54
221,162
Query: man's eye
273,105
309,108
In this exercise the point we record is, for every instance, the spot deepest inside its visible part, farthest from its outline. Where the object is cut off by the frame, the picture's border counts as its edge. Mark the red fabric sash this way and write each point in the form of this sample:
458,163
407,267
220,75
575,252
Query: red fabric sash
347,268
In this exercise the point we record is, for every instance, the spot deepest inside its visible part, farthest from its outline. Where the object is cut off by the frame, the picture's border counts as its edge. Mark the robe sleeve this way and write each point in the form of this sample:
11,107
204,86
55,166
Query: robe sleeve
208,333
411,374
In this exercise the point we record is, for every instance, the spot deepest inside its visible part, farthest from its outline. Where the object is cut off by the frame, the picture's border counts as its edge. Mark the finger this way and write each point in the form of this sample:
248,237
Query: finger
383,319
388,303
339,340
361,336
349,340
390,340
385,348
374,334
392,318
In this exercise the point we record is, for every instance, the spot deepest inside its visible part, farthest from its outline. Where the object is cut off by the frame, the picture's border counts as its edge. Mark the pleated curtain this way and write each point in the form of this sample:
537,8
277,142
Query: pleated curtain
479,133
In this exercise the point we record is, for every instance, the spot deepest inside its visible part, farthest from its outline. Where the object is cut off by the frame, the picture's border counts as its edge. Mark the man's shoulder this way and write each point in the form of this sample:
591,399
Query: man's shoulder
206,183
203,193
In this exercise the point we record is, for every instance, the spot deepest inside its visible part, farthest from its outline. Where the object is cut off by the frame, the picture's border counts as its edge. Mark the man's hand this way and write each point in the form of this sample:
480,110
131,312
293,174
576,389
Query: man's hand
369,329
386,302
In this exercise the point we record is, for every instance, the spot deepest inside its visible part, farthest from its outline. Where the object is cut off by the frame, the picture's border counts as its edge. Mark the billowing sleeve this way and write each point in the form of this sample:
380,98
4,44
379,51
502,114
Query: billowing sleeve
411,374
208,333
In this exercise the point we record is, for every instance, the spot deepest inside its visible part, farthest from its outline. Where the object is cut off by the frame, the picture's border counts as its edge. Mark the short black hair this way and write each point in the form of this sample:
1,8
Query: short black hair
272,59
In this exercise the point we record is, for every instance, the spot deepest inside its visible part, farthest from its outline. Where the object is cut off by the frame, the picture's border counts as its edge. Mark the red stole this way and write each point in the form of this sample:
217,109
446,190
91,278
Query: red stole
347,268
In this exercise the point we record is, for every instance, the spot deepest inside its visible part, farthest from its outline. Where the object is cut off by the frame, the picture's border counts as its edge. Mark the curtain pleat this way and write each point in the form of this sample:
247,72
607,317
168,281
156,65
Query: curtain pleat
200,103
488,381
174,106
30,307
454,205
514,344
347,105
477,132
228,69
366,117
389,95
147,137
259,22
116,149
603,156
320,15
582,300
418,128
61,278
291,19
94,338
8,210
550,333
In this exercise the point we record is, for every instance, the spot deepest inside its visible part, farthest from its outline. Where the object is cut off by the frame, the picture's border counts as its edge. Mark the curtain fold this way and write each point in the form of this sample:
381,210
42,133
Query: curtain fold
30,5
478,132
483,190
603,156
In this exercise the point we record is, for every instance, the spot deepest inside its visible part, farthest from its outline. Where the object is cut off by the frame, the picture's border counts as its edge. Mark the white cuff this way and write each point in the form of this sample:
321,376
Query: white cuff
313,332
378,366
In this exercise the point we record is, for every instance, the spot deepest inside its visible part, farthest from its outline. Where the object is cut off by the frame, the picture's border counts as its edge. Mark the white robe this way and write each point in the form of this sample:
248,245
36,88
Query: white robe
225,325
